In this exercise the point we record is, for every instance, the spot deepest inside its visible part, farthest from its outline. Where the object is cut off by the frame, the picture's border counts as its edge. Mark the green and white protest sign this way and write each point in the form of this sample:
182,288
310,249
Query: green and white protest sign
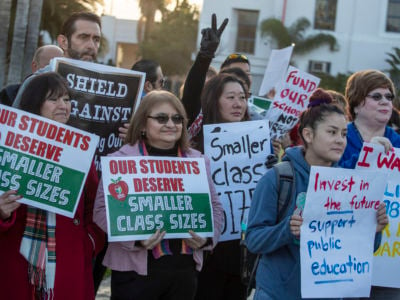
338,231
146,193
387,257
45,161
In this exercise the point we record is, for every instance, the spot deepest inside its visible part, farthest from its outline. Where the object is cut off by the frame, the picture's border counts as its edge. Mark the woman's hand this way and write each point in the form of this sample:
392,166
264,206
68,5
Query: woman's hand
123,131
8,203
381,140
381,218
154,240
196,242
295,223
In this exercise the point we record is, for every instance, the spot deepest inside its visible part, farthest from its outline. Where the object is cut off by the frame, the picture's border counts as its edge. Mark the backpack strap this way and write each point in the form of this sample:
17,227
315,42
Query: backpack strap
285,182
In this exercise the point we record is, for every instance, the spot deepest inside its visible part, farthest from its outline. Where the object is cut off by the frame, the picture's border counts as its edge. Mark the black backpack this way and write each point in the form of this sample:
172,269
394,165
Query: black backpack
249,261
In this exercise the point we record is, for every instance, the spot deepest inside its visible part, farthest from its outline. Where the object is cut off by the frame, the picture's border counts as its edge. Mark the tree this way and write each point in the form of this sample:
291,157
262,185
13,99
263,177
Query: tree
394,71
174,39
285,36
32,35
5,16
18,42
148,10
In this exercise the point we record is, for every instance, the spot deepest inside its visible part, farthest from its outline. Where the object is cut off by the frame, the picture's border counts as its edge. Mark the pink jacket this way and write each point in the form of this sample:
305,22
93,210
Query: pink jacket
125,256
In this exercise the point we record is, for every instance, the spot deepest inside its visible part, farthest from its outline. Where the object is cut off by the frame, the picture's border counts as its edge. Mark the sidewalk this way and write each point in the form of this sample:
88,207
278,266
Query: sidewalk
104,292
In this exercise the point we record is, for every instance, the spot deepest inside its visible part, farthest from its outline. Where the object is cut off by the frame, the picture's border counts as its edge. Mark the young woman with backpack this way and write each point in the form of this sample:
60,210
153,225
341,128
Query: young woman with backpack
323,129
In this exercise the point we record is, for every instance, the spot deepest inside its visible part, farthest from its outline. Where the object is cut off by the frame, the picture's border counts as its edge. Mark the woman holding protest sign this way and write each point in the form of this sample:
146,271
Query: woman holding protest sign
223,100
274,231
370,95
157,268
44,255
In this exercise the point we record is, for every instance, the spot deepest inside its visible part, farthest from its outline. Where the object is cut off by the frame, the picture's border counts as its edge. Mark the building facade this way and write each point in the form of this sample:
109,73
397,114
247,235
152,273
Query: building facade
365,30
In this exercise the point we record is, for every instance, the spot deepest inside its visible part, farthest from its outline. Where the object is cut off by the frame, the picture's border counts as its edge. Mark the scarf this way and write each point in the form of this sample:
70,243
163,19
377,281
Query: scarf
163,247
38,246
196,126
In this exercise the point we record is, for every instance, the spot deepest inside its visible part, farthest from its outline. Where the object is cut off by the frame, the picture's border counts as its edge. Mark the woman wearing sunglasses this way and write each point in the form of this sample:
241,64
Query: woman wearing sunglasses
370,96
157,268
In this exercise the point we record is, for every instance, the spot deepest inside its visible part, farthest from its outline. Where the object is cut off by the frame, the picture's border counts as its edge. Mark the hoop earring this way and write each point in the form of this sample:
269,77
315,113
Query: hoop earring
143,134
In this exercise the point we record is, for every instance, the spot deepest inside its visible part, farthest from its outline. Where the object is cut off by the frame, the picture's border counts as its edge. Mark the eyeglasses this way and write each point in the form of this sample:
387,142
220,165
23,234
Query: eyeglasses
164,118
236,56
378,97
161,82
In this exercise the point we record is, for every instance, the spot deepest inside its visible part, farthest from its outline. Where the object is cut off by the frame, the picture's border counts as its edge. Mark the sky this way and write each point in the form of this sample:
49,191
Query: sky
129,9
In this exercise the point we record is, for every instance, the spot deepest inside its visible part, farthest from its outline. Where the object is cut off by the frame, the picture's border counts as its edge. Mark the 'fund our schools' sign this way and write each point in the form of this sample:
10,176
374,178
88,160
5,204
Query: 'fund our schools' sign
387,257
45,161
290,100
238,152
146,193
338,231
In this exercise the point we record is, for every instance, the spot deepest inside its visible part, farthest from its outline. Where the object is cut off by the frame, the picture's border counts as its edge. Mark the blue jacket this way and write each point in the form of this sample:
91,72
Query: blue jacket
278,273
355,142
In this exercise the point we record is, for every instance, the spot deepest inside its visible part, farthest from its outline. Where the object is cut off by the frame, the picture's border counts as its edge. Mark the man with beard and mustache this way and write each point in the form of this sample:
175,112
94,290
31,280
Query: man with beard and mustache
79,39
80,36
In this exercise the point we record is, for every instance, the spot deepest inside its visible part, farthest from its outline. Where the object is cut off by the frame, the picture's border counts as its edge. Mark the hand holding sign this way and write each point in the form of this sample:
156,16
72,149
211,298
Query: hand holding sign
196,242
153,240
381,140
381,218
295,223
8,204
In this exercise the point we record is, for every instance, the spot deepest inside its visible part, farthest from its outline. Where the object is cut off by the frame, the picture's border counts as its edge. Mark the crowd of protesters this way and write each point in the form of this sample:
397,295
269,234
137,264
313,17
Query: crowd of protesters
48,256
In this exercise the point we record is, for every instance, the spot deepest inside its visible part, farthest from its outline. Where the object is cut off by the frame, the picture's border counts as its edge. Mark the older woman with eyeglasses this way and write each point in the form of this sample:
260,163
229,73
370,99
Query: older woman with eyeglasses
158,268
370,95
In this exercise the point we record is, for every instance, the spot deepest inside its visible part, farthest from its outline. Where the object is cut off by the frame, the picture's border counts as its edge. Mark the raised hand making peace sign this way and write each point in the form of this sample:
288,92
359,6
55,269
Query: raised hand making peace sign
211,37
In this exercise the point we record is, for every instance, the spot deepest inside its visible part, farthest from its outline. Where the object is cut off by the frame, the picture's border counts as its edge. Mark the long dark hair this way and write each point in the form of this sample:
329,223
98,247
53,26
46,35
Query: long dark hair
40,88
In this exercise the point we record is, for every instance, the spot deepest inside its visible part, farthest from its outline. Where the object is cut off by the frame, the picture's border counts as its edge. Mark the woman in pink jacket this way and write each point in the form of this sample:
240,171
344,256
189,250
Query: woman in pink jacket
139,271
73,242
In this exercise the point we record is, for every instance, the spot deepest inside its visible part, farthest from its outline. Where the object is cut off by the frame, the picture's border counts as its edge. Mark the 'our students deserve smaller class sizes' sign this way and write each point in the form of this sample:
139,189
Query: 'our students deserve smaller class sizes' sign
146,193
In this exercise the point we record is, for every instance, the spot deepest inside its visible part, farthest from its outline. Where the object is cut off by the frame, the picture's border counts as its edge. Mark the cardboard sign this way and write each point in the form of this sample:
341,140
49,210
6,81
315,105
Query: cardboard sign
103,99
146,193
291,99
276,69
45,161
238,152
338,231
387,257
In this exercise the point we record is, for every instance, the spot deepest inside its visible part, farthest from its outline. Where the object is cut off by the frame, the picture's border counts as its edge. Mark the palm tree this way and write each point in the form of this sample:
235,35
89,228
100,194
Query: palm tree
18,42
5,9
285,36
32,37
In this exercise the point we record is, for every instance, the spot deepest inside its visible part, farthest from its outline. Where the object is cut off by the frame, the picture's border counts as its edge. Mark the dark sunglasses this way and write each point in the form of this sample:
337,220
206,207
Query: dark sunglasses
378,97
164,118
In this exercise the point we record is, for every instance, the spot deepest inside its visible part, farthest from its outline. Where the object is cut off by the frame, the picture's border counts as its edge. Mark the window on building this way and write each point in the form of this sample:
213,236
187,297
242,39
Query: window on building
246,31
393,16
325,14
319,66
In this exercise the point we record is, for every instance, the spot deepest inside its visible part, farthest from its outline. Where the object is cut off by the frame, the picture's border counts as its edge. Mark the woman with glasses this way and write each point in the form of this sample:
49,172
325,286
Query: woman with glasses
157,268
370,95
44,255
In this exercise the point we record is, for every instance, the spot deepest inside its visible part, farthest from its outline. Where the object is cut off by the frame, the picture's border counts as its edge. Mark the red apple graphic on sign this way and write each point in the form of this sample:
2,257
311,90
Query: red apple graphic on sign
118,189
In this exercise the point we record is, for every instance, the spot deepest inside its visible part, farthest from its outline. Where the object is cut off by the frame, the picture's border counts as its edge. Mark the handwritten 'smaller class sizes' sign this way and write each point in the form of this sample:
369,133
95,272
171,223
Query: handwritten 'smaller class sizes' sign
338,231
143,194
290,100
238,152
387,257
45,161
